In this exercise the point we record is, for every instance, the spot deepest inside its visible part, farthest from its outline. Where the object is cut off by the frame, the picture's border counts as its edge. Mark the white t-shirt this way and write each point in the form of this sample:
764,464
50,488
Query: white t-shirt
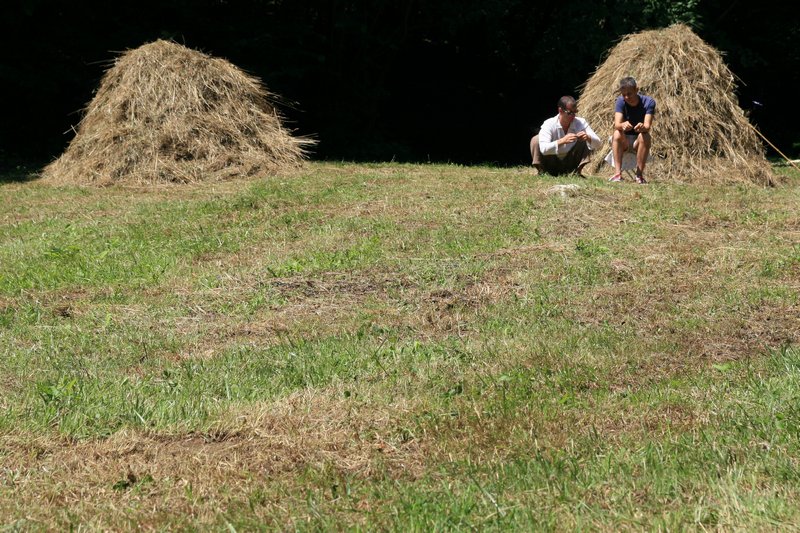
551,131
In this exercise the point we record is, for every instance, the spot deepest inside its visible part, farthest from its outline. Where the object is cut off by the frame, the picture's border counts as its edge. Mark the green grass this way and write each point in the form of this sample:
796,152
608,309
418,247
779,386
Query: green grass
404,347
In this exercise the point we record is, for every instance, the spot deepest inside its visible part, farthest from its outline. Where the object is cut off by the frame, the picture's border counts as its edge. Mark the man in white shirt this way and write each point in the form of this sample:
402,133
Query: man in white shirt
564,142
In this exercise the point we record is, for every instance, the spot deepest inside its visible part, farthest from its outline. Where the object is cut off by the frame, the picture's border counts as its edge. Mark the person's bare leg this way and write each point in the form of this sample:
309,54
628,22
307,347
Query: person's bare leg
642,151
618,146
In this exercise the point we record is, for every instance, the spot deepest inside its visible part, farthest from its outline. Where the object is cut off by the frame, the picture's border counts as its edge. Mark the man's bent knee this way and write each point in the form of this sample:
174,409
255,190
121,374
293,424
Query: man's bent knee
535,155
620,139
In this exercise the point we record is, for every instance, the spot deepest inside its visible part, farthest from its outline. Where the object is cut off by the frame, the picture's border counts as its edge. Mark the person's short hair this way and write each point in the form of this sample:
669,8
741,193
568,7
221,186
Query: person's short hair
565,101
627,83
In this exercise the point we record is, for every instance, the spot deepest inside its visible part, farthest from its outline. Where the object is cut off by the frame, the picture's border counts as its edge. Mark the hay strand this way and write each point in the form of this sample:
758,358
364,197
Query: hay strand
700,134
167,114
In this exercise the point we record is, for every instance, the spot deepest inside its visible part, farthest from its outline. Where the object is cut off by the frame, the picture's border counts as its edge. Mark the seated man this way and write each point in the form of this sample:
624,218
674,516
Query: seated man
564,142
633,118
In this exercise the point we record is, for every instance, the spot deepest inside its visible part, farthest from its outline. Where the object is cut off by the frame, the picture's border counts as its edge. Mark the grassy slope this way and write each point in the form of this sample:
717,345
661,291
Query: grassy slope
398,346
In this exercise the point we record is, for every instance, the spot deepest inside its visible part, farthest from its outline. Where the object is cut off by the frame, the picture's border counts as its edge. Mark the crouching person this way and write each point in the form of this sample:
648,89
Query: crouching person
565,142
633,118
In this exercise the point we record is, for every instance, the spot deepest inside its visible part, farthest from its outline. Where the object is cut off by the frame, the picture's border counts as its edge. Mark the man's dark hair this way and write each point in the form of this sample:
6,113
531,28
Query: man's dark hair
627,83
565,101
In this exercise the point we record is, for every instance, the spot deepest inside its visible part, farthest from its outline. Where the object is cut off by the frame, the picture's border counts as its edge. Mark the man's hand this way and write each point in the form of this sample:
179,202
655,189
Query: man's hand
640,128
568,138
626,126
582,135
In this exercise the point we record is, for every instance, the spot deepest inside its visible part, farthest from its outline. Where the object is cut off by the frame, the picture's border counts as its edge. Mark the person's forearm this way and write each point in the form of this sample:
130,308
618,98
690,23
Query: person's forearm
592,139
548,147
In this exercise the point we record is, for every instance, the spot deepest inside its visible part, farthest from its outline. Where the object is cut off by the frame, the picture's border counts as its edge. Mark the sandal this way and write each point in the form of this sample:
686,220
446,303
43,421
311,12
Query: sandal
640,179
616,177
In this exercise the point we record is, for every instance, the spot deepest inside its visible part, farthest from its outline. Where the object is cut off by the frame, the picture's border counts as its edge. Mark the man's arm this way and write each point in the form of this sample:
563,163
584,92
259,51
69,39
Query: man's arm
592,139
547,146
620,124
644,127
649,112
648,123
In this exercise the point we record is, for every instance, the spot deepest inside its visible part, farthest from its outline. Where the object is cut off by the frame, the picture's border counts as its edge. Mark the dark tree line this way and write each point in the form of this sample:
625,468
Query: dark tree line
458,80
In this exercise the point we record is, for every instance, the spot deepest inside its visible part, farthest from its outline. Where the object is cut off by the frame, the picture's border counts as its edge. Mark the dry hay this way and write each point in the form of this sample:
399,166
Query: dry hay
700,134
165,113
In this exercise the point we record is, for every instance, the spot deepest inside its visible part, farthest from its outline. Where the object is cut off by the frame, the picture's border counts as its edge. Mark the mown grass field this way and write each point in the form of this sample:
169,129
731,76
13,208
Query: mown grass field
400,347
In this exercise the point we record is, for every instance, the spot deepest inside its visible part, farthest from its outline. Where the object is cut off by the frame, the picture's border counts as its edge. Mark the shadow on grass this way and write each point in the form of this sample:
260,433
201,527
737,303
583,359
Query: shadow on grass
18,172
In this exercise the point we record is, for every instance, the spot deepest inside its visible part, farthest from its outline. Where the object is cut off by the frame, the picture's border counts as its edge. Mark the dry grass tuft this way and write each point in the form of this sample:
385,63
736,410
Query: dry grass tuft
318,430
700,134
168,114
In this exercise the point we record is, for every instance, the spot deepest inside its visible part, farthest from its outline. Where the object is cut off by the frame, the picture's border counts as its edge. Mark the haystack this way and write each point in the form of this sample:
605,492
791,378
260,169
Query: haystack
165,113
700,134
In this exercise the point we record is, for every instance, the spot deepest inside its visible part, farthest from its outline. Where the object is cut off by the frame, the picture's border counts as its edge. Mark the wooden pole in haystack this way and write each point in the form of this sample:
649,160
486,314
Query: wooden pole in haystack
790,161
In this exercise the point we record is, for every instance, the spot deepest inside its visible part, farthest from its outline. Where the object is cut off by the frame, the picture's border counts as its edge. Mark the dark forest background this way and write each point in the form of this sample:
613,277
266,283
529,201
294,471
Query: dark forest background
466,81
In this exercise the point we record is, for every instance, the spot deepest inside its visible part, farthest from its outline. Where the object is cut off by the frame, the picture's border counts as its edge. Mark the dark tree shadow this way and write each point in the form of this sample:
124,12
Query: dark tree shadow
19,172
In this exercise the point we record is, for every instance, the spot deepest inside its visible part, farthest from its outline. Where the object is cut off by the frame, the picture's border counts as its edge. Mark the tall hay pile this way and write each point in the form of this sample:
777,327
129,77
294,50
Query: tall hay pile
165,113
700,134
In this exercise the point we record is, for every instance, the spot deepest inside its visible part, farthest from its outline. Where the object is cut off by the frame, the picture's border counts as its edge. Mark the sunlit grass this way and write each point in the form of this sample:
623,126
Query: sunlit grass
399,347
